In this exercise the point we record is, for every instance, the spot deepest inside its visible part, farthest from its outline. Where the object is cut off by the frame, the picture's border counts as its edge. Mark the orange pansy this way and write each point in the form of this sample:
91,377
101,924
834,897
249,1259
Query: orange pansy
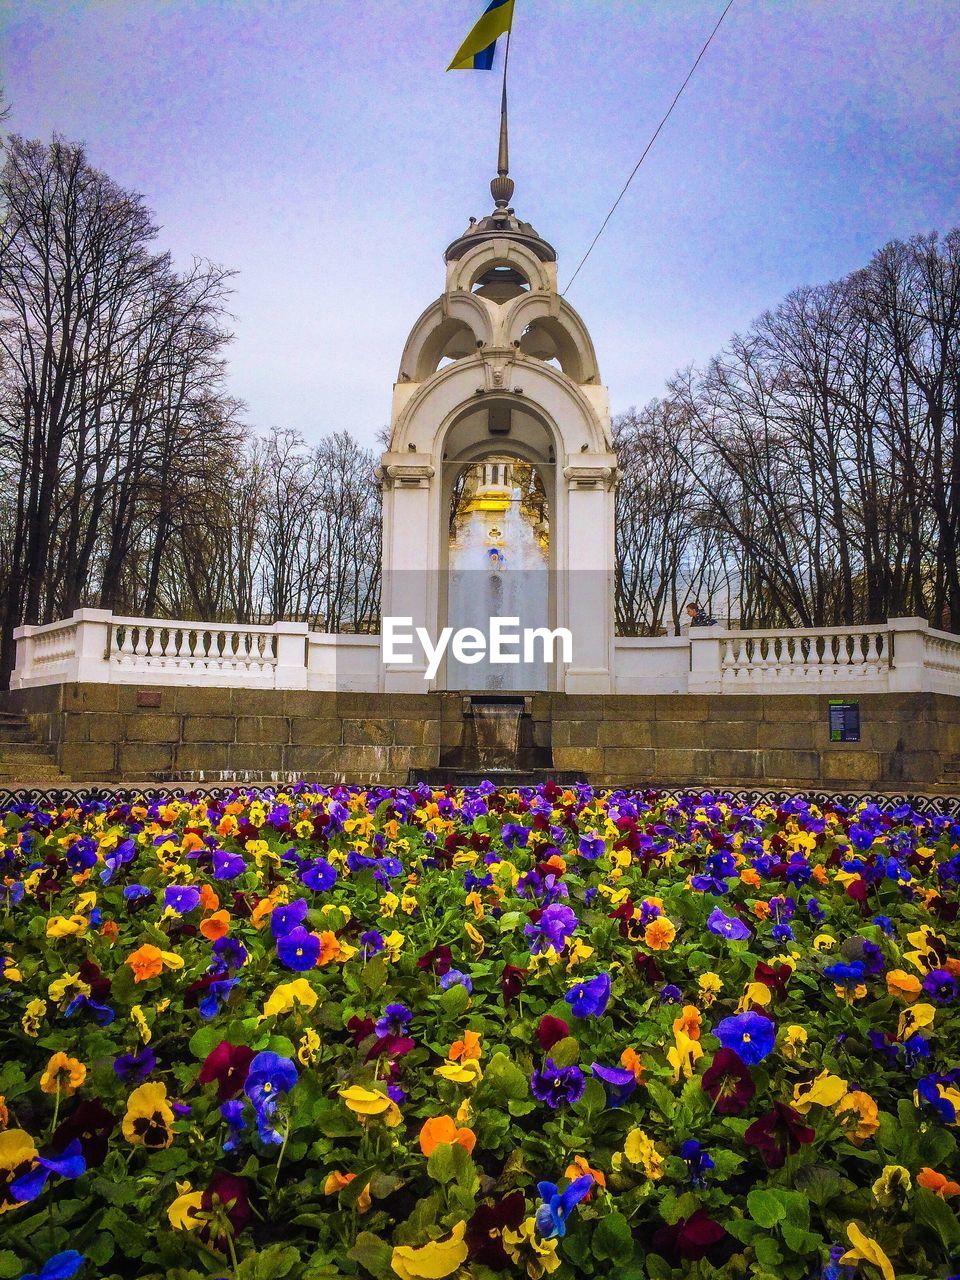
659,934
146,962
440,1129
215,926
937,1183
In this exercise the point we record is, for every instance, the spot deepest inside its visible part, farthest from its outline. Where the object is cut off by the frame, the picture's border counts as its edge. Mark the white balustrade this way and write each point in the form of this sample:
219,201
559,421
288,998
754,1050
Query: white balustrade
901,655
807,660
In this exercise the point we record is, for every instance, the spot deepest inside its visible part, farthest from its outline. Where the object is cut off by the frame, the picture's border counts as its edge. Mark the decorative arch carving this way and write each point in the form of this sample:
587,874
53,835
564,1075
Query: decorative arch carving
437,328
463,274
563,331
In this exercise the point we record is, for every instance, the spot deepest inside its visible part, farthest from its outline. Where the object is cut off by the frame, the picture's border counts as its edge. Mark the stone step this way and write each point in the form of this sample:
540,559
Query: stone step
21,746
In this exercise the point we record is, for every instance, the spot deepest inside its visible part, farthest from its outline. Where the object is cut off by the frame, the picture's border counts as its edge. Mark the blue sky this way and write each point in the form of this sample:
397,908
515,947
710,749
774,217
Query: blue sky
321,150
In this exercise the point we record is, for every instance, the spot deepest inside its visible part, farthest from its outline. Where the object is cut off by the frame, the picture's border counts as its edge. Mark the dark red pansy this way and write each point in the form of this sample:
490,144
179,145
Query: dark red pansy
92,975
233,1196
92,1124
728,1081
647,968
439,960
689,1239
485,1229
512,981
550,1031
197,990
229,1065
779,1133
360,1029
390,1047
775,977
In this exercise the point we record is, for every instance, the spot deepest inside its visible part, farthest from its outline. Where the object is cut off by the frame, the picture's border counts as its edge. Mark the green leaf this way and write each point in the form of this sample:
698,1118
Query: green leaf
768,1252
765,1208
800,1241
375,974
661,1097
613,1238
566,1051
373,1254
505,1078
936,1213
454,1000
10,1265
204,1040
276,1261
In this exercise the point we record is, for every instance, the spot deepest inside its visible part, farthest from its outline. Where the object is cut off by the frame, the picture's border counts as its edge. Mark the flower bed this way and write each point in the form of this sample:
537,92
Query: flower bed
408,1034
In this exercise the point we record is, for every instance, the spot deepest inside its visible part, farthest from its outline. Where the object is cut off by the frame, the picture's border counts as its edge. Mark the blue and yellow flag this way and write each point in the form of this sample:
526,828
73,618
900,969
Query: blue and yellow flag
476,52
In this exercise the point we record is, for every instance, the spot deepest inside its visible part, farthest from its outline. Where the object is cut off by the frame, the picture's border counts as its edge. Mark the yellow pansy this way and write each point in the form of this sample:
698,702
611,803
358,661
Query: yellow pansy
431,1261
70,983
309,1047
892,1185
32,1017
541,1254
139,1020
866,1111
67,926
149,1118
579,951
393,944
794,1039
475,937
388,904
866,1250
683,1055
914,1018
640,1150
467,1071
824,1091
371,1102
182,1213
824,942
297,994
755,993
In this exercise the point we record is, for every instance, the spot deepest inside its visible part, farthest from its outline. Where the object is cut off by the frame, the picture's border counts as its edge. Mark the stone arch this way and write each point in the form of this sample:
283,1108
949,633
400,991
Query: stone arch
540,323
543,389
448,324
464,273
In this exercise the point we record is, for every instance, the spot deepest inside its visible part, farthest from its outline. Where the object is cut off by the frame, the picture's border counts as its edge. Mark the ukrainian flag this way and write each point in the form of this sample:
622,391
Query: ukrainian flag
476,52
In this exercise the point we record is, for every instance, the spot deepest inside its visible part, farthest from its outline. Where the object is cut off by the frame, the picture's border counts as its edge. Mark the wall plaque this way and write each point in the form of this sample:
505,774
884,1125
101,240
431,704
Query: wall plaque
844,718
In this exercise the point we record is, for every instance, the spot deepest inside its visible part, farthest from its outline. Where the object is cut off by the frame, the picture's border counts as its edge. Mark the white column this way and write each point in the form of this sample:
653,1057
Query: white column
586,560
91,663
409,563
705,650
908,637
291,669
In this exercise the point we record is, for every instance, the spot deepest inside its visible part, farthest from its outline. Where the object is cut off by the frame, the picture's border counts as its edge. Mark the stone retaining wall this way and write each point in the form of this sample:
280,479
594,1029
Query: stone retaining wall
103,733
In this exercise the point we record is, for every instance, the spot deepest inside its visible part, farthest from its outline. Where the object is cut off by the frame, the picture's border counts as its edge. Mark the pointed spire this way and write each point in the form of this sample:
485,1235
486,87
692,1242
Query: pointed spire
502,187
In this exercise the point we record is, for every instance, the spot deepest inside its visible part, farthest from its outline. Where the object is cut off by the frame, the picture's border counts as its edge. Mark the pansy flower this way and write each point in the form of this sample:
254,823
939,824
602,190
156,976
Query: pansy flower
589,999
618,1083
557,1086
558,1205
228,1065
750,1035
485,1229
299,949
135,1067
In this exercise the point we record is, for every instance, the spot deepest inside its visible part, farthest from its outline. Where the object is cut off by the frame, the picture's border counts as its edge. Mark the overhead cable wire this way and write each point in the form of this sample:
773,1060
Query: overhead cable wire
653,139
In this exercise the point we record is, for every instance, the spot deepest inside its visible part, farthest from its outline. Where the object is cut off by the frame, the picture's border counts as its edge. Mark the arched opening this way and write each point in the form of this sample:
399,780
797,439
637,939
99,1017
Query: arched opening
546,339
499,500
500,283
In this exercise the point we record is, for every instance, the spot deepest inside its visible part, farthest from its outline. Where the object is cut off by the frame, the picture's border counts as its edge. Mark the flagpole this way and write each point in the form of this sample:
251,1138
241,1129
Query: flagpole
503,160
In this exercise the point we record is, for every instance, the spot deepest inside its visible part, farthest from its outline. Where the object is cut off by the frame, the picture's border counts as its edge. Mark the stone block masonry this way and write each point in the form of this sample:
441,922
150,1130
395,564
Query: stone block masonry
105,733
